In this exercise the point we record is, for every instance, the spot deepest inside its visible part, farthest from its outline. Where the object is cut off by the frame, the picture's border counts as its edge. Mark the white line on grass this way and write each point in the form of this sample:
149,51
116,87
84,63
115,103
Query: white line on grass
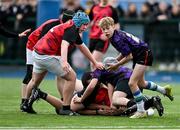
96,127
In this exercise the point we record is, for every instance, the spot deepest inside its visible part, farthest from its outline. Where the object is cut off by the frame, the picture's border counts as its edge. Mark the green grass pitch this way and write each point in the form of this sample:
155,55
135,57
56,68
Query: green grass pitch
11,117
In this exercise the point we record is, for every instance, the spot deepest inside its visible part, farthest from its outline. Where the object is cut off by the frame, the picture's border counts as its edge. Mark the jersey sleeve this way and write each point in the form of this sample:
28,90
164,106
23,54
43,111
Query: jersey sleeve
78,40
124,47
115,15
71,35
125,50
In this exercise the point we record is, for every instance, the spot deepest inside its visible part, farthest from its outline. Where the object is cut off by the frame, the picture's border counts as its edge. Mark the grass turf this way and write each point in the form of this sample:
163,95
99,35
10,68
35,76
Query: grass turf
10,115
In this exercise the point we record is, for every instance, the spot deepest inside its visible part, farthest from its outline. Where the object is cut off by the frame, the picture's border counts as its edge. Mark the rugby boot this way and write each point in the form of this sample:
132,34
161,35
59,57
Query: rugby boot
169,92
139,115
67,112
158,105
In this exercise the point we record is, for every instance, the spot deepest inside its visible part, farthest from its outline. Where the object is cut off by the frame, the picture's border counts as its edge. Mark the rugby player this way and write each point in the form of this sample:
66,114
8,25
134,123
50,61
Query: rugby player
132,48
50,55
98,43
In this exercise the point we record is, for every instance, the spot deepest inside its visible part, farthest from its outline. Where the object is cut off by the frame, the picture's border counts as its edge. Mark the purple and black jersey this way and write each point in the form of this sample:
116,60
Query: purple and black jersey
126,43
112,77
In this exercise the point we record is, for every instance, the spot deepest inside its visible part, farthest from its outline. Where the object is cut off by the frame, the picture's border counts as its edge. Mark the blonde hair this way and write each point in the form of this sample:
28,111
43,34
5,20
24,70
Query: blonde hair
106,22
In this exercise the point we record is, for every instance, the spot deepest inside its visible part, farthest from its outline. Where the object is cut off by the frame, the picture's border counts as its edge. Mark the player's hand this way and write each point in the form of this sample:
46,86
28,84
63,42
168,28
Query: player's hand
99,65
105,112
112,67
66,67
23,34
103,37
77,99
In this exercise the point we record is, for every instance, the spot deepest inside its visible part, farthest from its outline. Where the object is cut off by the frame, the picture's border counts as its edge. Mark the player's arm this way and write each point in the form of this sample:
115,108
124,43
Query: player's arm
102,112
119,57
64,53
110,92
87,92
110,112
6,33
87,112
24,33
89,89
83,48
69,37
124,60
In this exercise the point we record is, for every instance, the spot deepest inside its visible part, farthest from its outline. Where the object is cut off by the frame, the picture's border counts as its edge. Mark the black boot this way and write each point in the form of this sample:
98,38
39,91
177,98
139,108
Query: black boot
25,107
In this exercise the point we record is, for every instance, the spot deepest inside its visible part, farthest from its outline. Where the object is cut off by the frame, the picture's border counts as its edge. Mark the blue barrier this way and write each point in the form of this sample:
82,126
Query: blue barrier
47,9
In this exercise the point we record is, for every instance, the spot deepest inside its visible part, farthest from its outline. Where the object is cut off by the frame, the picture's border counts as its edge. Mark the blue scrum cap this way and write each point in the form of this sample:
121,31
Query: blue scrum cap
80,18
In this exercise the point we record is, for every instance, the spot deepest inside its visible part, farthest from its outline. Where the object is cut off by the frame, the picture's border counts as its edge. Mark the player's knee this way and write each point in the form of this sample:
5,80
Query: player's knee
72,76
131,84
142,84
114,101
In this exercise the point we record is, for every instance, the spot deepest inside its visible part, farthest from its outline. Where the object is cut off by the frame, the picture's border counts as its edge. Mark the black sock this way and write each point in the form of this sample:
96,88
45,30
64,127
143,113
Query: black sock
22,100
26,102
66,107
43,95
148,104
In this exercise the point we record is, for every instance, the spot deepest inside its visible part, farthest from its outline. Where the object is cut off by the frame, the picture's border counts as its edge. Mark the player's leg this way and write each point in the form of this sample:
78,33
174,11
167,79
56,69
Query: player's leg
98,49
39,71
53,64
76,106
52,100
122,92
60,85
119,99
138,72
78,86
97,56
68,90
28,76
61,82
26,80
55,102
153,102
154,87
34,83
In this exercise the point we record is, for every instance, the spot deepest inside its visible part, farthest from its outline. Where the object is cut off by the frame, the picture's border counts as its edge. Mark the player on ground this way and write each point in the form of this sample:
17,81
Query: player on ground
32,40
132,48
118,89
50,54
98,43
98,100
97,103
